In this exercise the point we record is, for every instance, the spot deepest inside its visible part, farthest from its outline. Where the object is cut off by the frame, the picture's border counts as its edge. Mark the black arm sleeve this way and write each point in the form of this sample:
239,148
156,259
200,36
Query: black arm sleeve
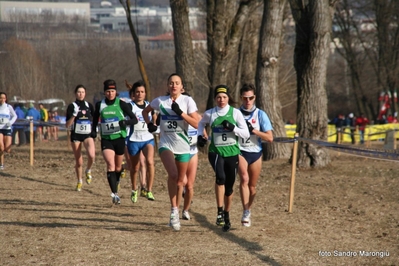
96,115
127,111
69,111
91,107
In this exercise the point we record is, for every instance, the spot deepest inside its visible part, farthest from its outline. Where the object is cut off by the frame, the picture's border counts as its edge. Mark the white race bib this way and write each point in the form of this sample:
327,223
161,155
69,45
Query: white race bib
172,124
193,136
110,126
252,141
83,126
4,119
222,138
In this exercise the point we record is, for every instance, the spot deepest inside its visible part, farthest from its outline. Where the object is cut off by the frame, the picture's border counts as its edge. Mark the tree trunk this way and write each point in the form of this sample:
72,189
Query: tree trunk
313,21
223,38
184,58
143,72
386,13
267,74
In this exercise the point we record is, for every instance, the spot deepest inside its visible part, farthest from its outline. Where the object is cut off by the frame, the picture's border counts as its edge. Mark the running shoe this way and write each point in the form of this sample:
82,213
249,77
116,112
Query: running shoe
186,215
143,193
220,219
88,177
79,186
123,173
246,218
115,199
174,221
150,196
133,196
1,166
226,226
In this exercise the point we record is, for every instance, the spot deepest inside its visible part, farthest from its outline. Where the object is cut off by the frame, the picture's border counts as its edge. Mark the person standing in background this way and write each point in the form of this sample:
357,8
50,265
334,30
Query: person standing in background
33,114
43,118
361,123
351,123
19,129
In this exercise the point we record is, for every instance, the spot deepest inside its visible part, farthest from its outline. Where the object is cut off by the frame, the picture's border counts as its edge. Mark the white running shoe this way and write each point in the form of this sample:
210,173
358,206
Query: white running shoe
186,215
115,199
246,218
174,221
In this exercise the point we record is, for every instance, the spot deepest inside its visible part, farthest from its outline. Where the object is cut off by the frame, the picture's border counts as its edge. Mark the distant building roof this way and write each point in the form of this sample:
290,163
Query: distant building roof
168,36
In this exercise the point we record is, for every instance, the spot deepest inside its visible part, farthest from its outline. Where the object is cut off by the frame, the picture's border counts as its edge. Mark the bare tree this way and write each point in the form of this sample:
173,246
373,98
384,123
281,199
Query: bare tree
313,21
267,80
27,70
184,58
126,6
225,24
386,13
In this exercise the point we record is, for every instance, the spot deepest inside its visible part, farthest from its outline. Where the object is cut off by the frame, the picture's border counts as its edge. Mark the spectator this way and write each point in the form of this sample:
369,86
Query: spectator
339,124
19,129
43,118
53,129
391,119
351,123
33,114
361,123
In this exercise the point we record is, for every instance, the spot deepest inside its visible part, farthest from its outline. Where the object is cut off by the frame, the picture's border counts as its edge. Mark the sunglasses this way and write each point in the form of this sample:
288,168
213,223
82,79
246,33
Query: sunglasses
249,98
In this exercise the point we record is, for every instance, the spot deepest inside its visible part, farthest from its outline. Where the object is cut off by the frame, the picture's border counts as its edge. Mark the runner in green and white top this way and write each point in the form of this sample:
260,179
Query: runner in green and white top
112,112
176,112
227,125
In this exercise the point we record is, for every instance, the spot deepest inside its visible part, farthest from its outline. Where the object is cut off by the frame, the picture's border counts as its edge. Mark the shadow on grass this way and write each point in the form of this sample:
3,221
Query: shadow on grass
252,247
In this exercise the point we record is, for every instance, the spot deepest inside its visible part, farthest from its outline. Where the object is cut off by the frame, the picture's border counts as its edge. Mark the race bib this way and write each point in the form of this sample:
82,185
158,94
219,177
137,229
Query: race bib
4,119
193,136
141,125
110,126
252,141
83,126
222,138
172,124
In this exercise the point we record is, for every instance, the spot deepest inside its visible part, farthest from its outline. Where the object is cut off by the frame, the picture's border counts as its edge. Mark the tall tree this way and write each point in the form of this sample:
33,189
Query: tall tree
267,73
386,13
313,22
143,72
225,24
184,58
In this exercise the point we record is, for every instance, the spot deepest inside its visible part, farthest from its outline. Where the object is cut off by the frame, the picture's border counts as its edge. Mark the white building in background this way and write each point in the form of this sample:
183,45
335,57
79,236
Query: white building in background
147,20
37,12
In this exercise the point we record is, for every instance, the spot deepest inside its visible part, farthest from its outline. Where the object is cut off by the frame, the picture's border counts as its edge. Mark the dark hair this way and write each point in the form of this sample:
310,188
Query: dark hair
109,84
78,87
137,84
4,94
247,87
175,74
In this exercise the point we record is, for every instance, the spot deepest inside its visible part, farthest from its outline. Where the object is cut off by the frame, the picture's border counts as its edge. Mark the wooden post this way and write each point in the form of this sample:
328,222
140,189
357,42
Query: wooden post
339,139
32,140
293,171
